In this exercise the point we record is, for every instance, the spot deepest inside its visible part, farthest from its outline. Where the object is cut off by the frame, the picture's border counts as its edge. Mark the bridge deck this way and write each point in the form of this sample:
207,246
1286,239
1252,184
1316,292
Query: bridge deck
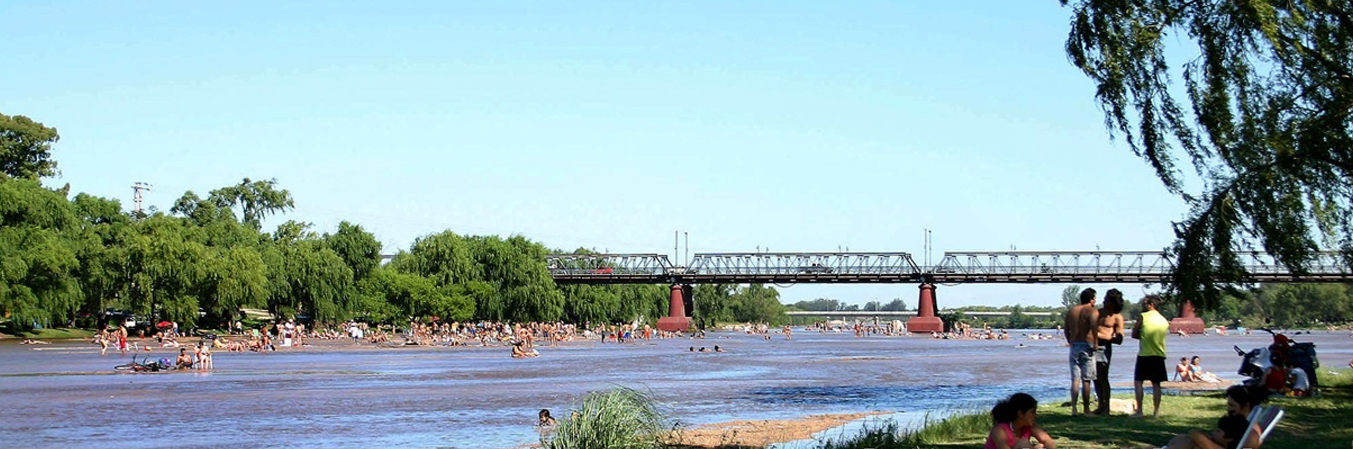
899,267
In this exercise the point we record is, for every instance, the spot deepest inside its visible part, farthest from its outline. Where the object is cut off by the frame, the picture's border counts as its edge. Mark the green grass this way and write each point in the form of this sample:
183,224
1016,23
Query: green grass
619,418
1309,423
54,334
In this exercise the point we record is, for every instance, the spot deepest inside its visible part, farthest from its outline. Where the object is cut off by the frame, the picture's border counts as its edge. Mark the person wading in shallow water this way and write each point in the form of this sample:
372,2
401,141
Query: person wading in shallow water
1080,334
184,361
545,419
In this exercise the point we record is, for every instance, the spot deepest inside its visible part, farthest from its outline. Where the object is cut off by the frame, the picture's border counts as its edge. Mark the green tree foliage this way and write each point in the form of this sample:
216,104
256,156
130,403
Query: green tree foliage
821,305
201,211
1071,296
101,248
445,257
834,305
516,266
896,305
305,276
59,257
713,304
256,200
37,261
416,296
590,303
233,278
1019,320
164,267
758,304
359,249
1269,87
26,148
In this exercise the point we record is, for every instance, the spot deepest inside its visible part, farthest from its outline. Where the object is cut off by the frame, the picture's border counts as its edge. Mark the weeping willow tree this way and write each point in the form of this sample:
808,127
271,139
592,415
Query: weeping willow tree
1261,118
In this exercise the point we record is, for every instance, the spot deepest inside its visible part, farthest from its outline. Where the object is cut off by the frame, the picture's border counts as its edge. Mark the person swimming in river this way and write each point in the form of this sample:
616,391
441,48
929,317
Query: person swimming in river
545,419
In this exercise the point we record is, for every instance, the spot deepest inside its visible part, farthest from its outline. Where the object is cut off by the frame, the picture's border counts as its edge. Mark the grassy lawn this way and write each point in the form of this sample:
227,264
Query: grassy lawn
1309,423
57,333
1324,422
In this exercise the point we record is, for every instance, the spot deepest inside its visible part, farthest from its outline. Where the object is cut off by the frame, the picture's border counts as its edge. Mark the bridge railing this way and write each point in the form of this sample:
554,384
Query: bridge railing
1146,266
892,267
608,266
804,264
1054,262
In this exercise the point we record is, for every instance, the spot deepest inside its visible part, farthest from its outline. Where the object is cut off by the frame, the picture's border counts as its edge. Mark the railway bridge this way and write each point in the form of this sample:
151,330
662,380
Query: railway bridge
1147,267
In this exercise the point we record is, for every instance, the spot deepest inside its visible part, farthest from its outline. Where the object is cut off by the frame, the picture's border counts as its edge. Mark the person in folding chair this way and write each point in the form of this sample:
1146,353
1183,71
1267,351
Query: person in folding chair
1245,425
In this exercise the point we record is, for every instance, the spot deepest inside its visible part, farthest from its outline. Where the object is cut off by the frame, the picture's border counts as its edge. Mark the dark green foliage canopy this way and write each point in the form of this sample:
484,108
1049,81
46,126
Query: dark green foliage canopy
25,148
256,200
1263,118
37,257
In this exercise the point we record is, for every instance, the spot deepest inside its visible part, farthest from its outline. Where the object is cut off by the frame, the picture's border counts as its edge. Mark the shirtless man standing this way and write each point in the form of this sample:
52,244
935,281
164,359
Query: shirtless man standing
1080,334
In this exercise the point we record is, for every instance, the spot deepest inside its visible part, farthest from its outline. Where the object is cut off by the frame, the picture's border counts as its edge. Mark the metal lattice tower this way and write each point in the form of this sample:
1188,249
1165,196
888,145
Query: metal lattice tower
137,188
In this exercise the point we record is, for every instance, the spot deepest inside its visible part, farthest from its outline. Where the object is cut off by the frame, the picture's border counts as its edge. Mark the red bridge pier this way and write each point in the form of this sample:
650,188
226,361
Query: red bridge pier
676,319
1187,321
925,320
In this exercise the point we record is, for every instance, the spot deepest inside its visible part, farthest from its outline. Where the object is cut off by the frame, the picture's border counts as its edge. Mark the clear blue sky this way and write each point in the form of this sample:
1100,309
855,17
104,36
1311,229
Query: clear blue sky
793,126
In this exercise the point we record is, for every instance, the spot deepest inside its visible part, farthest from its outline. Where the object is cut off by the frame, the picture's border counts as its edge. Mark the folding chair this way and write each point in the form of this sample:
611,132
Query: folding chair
1265,418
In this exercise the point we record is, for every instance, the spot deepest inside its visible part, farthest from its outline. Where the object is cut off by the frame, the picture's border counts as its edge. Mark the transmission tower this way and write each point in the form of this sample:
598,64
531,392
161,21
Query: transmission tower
137,188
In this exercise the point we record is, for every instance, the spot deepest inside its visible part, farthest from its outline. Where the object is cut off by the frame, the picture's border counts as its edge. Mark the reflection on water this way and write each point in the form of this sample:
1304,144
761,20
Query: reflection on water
66,395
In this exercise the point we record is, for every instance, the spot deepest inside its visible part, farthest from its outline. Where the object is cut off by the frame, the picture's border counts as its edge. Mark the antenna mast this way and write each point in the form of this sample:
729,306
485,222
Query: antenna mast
137,188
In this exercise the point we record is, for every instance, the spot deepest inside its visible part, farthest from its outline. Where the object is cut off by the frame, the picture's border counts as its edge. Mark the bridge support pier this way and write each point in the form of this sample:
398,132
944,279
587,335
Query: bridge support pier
1187,321
676,319
925,320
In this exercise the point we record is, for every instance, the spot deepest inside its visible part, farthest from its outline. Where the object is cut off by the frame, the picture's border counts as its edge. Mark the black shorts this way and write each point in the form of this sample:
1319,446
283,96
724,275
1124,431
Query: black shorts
1150,368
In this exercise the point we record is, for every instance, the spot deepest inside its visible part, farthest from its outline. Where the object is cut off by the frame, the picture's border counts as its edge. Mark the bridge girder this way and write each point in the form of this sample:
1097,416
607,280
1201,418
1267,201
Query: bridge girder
1112,266
898,267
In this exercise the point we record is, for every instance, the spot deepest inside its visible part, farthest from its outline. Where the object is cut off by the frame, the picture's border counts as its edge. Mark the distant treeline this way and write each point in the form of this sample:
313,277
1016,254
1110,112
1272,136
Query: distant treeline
66,260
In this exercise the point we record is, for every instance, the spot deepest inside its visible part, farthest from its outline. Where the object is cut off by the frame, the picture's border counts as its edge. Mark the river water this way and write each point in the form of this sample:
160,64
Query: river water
341,395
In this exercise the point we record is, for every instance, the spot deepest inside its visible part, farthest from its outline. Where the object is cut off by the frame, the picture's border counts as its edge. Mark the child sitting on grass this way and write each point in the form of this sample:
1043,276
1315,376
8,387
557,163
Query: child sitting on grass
1015,425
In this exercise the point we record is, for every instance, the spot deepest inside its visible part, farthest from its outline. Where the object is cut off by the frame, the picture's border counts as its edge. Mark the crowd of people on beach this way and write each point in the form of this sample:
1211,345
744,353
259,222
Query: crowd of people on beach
862,329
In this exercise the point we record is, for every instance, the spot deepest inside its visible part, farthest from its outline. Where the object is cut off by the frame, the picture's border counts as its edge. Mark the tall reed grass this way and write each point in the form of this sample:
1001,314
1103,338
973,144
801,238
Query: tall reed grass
620,418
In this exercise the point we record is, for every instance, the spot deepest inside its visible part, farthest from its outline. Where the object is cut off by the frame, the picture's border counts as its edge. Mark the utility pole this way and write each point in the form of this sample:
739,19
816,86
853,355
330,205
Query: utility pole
676,245
137,188
688,247
929,247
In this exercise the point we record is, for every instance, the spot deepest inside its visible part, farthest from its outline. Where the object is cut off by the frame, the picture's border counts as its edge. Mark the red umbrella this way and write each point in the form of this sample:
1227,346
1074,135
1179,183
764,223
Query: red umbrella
164,324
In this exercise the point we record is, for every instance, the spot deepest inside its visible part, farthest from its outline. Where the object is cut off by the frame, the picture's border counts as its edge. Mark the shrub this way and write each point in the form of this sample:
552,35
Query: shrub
620,418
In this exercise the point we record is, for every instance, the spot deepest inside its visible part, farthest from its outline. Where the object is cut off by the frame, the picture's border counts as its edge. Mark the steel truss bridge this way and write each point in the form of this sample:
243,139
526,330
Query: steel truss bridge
899,267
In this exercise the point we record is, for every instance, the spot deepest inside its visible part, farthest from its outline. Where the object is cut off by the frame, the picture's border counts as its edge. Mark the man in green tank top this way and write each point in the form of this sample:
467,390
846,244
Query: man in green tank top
1150,331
